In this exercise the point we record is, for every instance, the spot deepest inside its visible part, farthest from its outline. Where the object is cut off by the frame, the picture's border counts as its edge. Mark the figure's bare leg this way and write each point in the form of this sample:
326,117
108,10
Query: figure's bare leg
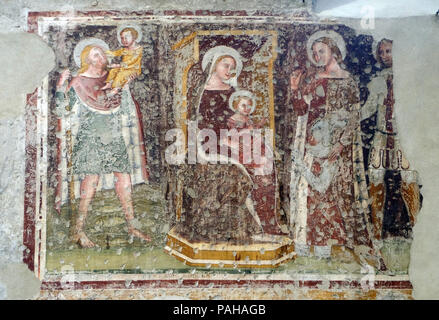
123,190
88,190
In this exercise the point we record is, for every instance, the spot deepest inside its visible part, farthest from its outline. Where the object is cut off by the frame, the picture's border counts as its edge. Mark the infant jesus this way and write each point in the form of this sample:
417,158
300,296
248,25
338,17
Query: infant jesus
130,66
243,103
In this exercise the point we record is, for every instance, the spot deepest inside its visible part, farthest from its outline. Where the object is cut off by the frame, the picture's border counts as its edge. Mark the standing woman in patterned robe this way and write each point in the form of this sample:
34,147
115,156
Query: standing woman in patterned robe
337,217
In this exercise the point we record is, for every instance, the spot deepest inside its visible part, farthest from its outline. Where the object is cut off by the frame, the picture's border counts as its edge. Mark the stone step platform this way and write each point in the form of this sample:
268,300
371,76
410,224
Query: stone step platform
255,255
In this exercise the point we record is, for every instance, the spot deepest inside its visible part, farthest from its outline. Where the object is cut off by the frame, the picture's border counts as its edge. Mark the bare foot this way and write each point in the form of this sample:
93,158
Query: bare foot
139,234
107,86
115,91
82,240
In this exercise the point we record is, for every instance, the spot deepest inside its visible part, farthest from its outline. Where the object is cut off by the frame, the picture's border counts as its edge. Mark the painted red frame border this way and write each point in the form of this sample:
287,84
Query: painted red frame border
30,182
30,189
203,283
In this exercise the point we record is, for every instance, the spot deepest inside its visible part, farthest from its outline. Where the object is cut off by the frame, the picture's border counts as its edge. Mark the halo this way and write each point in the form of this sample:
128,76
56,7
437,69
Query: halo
135,27
329,34
84,43
214,53
242,93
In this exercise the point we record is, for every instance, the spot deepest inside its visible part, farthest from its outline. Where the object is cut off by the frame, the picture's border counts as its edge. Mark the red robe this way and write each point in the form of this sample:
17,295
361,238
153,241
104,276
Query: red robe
332,216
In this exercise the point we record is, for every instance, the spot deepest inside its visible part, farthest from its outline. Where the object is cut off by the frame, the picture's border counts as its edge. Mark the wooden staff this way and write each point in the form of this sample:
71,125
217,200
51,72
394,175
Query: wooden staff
71,185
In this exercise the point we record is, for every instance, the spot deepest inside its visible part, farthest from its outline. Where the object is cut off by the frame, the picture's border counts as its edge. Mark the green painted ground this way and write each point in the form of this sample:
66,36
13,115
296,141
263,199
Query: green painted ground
117,252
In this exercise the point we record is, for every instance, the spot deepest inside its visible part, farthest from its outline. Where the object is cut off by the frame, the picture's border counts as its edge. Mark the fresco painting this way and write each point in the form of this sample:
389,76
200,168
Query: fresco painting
266,148
231,204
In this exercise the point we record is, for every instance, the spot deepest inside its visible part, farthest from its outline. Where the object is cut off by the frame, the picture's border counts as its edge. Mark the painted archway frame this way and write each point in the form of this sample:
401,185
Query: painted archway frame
256,76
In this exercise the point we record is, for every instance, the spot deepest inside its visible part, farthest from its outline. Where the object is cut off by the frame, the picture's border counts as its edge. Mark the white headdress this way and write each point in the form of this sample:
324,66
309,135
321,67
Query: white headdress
135,27
87,42
212,55
337,38
242,93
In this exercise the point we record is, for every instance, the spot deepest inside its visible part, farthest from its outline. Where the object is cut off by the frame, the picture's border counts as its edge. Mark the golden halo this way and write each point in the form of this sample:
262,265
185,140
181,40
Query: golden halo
84,43
338,39
135,27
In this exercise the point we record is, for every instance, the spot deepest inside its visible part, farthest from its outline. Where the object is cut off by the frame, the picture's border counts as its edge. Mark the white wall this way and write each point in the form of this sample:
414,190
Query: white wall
381,8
